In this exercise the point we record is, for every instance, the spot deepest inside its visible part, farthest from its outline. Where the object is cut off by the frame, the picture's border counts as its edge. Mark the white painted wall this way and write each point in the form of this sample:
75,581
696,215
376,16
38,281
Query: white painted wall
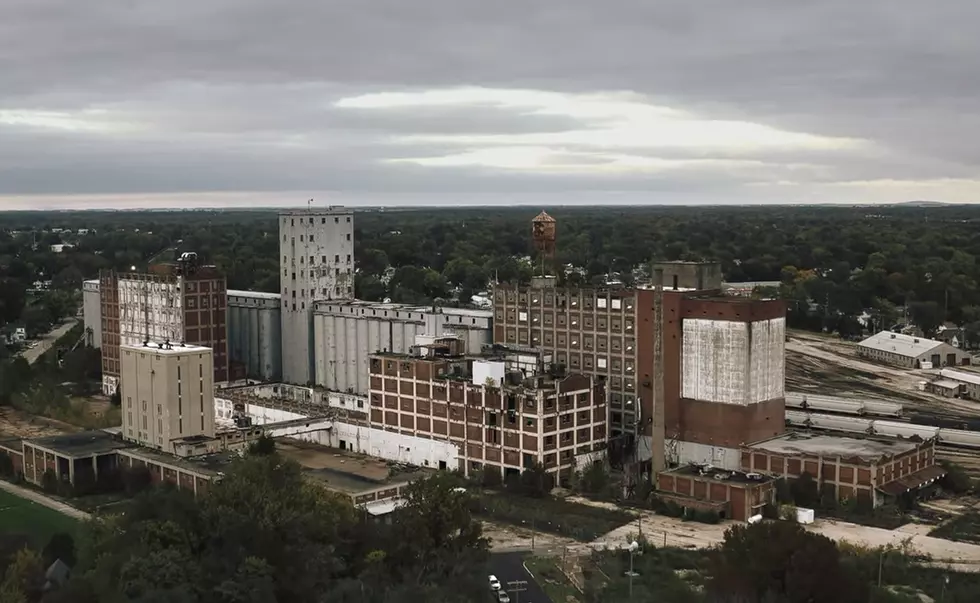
693,452
149,306
733,362
92,311
365,440
488,369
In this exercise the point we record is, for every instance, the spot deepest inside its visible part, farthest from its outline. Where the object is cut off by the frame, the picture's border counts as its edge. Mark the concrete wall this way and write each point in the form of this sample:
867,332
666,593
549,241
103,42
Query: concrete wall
387,445
683,453
345,334
255,333
733,362
317,262
92,311
166,394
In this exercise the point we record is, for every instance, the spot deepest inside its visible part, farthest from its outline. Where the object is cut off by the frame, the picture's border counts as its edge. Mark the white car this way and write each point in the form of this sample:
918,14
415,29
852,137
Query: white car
494,583
503,597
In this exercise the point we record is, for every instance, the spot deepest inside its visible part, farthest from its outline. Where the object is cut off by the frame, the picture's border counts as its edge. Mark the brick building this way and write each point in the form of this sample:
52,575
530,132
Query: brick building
732,494
176,303
505,411
870,470
723,366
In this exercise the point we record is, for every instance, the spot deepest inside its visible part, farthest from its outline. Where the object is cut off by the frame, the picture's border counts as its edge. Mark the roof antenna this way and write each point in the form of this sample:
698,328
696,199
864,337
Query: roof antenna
309,205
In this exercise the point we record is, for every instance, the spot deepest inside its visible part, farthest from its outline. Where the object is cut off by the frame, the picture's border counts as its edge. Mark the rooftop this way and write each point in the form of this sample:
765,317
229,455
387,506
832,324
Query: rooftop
253,294
831,445
898,343
962,376
946,384
83,444
331,210
210,464
721,475
173,349
345,471
350,306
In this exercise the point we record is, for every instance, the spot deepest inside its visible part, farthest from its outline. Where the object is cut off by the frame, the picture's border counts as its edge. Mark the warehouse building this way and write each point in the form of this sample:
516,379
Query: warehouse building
723,357
870,470
504,411
731,494
182,302
255,335
964,384
910,351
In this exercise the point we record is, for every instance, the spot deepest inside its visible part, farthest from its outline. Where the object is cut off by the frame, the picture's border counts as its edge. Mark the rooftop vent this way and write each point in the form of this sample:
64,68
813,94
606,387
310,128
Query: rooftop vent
892,336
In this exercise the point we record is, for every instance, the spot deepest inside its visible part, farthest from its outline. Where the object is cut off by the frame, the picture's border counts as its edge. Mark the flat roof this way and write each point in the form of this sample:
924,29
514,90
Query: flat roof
316,211
901,344
946,384
720,475
209,464
85,443
174,349
254,294
345,471
830,445
12,443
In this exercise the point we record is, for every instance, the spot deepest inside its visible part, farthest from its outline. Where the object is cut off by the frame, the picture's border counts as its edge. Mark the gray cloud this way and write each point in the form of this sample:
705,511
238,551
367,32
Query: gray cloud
239,95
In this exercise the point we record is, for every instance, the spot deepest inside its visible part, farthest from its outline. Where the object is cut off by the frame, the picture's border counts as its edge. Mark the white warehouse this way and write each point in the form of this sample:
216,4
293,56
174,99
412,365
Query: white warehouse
345,333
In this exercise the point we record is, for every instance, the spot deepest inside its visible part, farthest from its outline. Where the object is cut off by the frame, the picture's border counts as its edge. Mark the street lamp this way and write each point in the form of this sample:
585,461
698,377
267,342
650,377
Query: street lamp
633,548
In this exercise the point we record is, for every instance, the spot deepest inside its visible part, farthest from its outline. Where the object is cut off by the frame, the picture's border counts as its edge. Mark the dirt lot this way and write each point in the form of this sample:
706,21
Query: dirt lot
828,365
17,424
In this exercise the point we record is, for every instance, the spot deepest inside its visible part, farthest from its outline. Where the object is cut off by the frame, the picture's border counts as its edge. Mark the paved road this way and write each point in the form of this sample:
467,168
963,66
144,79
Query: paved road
508,567
32,354
44,500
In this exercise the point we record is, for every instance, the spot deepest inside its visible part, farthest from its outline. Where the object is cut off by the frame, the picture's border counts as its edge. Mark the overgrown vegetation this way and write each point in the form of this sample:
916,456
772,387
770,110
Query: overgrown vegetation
265,534
581,522
965,528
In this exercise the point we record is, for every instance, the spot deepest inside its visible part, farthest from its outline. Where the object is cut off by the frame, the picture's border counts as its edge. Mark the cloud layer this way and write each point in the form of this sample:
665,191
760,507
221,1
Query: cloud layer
462,101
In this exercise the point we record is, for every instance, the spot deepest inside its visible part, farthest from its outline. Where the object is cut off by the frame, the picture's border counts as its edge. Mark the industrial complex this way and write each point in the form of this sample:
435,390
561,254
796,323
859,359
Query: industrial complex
681,382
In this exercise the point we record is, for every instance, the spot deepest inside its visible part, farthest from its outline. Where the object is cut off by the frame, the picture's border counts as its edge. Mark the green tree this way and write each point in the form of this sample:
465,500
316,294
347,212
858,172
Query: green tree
23,579
781,561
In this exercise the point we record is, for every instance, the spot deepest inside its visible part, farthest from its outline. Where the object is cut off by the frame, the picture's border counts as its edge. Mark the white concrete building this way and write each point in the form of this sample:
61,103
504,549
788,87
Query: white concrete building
167,394
317,262
347,332
910,351
92,313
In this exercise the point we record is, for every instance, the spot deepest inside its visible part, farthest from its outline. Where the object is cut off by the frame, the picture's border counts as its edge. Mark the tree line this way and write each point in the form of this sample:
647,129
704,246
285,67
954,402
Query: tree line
834,263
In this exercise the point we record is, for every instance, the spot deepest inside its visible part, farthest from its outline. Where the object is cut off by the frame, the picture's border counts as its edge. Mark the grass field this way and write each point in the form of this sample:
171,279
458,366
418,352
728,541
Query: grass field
22,516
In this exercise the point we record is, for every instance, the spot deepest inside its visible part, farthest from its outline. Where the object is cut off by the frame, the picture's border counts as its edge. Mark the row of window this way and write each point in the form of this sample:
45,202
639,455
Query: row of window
564,300
572,321
303,239
323,220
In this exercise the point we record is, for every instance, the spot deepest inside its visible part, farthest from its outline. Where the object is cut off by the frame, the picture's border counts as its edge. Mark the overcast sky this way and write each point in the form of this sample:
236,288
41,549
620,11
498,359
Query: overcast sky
253,102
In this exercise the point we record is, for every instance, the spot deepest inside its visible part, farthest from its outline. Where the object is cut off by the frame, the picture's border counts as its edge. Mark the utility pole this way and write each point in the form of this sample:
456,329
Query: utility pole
517,587
881,561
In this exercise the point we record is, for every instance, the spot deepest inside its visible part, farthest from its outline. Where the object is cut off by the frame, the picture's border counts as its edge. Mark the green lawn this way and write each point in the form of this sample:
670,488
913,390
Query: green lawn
22,516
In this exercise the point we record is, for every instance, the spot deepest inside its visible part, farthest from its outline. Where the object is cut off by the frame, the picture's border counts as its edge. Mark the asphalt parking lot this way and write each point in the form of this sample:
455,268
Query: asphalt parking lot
509,567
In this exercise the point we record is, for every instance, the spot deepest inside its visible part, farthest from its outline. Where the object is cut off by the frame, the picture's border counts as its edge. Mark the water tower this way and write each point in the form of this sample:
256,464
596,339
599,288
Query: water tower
544,233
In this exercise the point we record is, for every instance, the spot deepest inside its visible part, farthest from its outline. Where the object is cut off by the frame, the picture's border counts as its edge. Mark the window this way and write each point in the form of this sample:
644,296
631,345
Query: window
348,219
336,258
601,302
348,258
311,259
617,304
323,220
336,220
522,316
348,236
323,259
300,238
601,362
